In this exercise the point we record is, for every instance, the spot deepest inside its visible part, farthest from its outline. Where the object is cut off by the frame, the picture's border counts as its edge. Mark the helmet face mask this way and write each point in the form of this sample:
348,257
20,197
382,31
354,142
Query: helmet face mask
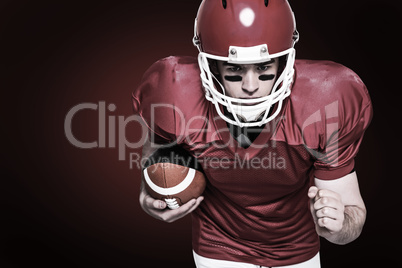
272,44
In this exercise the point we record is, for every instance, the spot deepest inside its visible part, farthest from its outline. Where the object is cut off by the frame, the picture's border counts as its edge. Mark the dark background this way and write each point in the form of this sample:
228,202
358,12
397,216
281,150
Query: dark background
62,206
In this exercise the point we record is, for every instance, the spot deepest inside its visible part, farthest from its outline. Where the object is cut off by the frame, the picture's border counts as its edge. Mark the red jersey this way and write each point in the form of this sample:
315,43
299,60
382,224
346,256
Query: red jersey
256,208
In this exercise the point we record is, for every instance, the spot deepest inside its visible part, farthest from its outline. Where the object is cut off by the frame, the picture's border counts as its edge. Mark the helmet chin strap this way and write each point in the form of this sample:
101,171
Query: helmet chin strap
252,116
247,116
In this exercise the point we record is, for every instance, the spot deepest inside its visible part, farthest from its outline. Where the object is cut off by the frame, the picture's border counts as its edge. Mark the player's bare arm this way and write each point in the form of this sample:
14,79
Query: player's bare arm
338,209
157,208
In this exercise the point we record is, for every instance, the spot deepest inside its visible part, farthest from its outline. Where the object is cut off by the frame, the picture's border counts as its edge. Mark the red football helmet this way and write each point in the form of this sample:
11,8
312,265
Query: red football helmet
246,32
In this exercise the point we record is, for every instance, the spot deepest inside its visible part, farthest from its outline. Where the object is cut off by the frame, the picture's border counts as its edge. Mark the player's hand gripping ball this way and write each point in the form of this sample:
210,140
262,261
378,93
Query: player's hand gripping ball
174,176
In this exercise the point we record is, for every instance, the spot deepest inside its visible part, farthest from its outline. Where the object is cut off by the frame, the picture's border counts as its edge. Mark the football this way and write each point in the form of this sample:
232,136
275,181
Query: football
174,176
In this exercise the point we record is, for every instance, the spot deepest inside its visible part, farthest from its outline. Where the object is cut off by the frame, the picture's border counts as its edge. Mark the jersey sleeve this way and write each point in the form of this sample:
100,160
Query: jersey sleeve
341,123
169,92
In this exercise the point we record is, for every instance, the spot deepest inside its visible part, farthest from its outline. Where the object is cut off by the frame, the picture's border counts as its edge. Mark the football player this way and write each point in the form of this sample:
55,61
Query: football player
285,133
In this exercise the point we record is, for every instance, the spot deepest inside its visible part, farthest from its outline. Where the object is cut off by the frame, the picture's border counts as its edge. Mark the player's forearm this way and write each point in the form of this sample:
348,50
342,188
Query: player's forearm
352,226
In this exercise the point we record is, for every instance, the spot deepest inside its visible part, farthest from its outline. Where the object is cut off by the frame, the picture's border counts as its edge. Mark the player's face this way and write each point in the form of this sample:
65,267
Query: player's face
248,81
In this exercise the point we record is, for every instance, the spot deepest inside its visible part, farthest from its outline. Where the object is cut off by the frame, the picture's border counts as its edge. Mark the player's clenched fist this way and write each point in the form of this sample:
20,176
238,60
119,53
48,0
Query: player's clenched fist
328,211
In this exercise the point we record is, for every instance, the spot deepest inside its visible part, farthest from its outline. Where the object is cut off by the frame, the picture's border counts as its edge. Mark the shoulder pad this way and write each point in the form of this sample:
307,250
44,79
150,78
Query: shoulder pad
170,90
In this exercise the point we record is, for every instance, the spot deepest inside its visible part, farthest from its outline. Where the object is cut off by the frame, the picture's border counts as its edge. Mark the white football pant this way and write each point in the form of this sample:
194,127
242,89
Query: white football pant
202,262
